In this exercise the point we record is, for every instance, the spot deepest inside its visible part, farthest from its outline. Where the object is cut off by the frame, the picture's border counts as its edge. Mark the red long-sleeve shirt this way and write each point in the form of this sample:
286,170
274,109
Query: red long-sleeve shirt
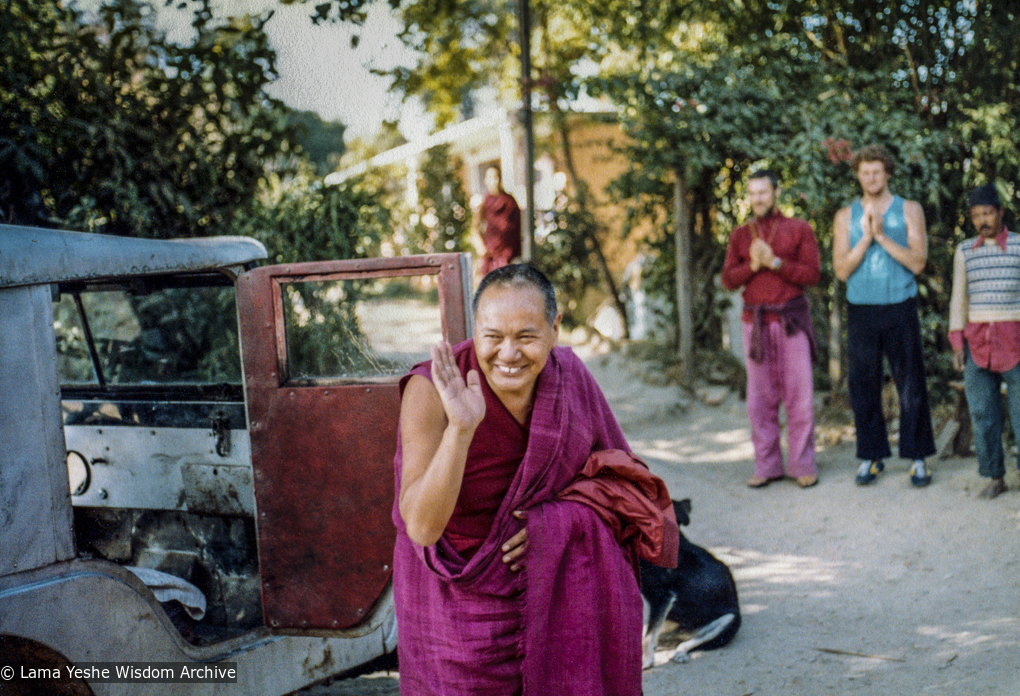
793,241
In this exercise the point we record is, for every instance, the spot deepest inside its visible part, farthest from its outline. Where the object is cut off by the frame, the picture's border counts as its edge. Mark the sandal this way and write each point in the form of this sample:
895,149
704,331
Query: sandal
807,481
761,481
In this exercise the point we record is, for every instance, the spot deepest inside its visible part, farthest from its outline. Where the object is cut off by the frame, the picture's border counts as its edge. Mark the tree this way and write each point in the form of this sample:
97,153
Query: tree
353,11
107,126
300,219
693,115
443,217
320,142
800,85
465,46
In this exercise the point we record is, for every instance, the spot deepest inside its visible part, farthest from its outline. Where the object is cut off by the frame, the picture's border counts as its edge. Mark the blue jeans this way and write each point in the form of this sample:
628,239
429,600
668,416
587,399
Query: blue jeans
984,399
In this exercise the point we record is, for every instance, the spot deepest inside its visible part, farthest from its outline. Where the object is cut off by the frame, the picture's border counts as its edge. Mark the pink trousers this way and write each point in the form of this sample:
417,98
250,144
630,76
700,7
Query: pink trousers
783,377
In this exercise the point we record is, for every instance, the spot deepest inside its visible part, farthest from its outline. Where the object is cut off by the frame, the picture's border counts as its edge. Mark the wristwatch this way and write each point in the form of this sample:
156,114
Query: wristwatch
776,263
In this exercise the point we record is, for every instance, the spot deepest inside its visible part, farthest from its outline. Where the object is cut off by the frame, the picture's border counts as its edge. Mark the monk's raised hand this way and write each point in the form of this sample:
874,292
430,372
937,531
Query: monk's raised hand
462,400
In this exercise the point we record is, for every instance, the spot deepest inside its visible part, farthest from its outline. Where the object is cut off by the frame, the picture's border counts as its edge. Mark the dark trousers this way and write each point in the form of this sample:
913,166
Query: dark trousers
893,331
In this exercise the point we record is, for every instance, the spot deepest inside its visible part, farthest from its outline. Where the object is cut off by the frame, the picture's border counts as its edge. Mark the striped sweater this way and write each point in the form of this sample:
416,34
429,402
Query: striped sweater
986,283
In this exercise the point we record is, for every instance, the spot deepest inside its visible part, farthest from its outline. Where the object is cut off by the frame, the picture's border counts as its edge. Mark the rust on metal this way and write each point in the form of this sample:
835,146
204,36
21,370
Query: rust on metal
323,456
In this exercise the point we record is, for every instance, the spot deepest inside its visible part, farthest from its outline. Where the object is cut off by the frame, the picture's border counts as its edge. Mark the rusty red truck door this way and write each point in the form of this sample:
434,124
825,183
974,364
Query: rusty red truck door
324,345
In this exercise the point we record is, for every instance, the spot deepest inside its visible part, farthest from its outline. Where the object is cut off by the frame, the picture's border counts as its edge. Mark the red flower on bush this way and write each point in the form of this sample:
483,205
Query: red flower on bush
838,150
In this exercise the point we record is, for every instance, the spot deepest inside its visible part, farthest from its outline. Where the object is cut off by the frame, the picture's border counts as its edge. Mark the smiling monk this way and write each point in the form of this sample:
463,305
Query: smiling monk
520,513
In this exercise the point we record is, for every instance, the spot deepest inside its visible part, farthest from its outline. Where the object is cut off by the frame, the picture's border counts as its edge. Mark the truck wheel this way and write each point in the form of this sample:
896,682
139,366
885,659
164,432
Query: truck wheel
21,655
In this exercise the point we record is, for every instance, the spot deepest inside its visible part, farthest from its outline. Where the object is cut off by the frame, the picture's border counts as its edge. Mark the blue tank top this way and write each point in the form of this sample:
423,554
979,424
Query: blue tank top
880,279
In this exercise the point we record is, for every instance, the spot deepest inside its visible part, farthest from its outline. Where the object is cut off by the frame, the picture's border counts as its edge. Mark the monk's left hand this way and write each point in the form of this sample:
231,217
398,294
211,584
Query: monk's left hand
514,548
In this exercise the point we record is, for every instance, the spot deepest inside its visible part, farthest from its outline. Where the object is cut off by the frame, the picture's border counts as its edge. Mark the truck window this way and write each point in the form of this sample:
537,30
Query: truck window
357,329
158,336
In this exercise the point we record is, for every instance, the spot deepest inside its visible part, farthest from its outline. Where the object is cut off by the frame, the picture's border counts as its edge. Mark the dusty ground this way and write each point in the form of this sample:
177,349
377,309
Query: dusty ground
884,589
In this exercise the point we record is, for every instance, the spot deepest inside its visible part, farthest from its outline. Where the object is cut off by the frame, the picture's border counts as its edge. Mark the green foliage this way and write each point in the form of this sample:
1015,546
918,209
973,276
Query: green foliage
353,11
109,127
161,336
323,335
650,193
798,87
473,44
565,252
321,142
442,220
301,219
463,46
181,339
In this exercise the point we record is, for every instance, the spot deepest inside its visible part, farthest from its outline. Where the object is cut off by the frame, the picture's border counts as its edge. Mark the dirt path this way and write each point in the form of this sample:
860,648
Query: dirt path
882,590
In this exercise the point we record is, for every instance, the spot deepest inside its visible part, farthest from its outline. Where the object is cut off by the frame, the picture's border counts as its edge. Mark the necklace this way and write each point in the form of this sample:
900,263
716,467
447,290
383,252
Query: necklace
771,229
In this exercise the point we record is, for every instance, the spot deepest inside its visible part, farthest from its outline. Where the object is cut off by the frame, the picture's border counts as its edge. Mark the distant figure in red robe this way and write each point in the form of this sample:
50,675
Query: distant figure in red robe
500,224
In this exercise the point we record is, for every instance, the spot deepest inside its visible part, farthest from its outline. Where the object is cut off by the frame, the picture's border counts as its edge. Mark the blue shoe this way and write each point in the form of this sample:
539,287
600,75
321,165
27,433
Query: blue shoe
868,472
919,475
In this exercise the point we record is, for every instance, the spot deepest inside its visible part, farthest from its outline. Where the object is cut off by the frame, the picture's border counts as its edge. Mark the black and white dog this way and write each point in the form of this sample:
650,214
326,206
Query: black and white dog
699,595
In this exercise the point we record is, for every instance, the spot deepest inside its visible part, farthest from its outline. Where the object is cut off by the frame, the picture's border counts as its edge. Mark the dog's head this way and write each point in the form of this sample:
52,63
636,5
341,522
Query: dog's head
682,508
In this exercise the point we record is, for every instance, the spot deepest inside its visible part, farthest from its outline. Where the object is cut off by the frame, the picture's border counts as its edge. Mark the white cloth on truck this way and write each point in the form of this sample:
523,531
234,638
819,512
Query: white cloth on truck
167,587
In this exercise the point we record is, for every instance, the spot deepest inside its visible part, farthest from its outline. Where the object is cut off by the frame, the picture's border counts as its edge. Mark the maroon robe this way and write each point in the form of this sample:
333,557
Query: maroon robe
502,235
495,453
570,621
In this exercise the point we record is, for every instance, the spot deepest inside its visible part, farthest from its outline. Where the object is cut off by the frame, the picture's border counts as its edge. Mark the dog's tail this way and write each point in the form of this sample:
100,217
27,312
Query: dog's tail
713,635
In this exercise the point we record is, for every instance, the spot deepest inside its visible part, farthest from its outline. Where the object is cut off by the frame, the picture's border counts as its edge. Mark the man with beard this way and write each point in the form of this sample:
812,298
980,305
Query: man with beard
774,258
879,245
984,330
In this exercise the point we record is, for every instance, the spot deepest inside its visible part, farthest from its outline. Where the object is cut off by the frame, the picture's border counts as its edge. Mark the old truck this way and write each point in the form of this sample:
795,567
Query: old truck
196,453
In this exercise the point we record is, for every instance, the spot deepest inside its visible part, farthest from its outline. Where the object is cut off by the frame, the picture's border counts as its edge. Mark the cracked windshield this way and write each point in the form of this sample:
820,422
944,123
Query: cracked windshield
353,329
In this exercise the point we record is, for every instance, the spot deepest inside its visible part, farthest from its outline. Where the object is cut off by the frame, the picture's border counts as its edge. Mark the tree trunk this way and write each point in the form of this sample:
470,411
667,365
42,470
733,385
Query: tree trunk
835,340
684,300
591,238
591,235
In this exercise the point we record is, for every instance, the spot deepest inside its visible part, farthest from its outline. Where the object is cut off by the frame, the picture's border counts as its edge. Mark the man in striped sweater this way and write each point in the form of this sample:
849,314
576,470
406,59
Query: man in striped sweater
984,330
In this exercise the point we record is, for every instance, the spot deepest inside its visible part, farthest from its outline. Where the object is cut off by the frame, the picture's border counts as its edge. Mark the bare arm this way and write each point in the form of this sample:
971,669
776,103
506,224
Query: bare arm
914,256
845,260
437,423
